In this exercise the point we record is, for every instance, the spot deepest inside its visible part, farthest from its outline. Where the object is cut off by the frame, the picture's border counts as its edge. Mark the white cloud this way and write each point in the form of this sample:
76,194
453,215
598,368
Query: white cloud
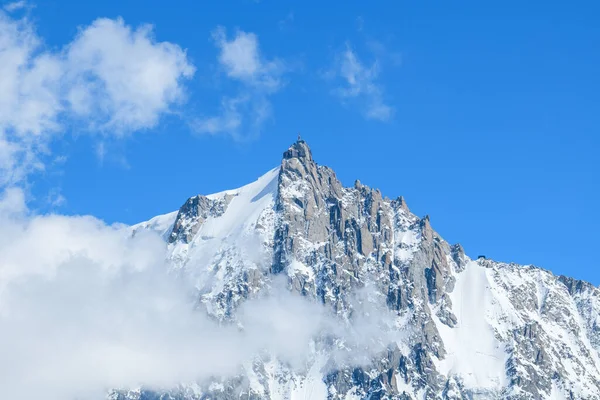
110,78
12,202
122,77
241,59
360,84
17,160
243,115
29,88
29,98
239,56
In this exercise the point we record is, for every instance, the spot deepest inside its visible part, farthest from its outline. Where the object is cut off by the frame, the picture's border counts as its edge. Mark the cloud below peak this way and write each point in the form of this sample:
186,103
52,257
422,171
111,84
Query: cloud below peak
87,307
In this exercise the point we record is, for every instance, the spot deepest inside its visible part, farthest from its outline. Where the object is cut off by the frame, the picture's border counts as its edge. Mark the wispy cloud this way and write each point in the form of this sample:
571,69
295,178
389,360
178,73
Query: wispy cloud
230,119
360,23
55,198
357,82
243,114
286,22
16,5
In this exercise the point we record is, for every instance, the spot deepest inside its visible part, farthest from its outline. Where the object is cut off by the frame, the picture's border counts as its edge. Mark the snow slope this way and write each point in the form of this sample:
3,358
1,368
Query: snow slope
161,224
468,329
474,352
232,244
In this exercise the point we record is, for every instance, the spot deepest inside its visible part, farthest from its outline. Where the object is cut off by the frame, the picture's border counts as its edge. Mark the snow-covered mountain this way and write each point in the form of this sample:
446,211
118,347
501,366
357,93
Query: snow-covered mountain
457,329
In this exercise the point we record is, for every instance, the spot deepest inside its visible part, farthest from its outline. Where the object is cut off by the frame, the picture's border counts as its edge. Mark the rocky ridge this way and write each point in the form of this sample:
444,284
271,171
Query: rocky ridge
470,329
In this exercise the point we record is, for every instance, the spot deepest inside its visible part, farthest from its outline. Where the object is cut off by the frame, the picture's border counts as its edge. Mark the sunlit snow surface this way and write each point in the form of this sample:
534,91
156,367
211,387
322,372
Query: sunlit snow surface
493,300
474,353
161,224
490,300
232,244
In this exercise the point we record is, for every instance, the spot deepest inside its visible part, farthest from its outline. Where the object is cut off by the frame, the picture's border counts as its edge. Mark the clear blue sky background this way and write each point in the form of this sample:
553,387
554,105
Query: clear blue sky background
495,132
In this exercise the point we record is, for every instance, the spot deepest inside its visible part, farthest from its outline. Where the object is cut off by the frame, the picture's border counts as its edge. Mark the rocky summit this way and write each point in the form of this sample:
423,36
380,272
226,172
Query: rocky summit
442,325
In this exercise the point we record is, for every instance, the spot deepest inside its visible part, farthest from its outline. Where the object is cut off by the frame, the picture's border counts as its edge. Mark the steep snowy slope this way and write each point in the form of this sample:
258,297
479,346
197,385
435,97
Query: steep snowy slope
447,327
223,241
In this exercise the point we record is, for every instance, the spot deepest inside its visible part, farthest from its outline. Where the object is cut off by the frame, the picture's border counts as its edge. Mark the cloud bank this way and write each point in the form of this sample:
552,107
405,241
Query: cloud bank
86,307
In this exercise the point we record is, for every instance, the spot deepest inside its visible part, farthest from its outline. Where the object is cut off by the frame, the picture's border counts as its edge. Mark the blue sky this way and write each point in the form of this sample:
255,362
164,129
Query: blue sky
484,116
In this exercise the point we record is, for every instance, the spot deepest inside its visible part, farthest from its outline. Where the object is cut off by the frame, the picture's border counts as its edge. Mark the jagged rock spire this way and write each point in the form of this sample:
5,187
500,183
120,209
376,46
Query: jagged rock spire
299,150
402,203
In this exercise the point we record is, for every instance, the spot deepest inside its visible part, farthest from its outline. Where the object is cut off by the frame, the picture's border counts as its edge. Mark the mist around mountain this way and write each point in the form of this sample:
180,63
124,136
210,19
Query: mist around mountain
292,286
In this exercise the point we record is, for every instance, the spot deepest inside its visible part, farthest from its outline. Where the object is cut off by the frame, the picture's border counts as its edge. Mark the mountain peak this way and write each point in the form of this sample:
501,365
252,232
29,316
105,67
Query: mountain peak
475,327
298,150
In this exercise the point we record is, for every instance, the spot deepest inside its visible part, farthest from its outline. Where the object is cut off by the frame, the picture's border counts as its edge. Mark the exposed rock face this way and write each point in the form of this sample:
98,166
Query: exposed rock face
471,330
193,213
